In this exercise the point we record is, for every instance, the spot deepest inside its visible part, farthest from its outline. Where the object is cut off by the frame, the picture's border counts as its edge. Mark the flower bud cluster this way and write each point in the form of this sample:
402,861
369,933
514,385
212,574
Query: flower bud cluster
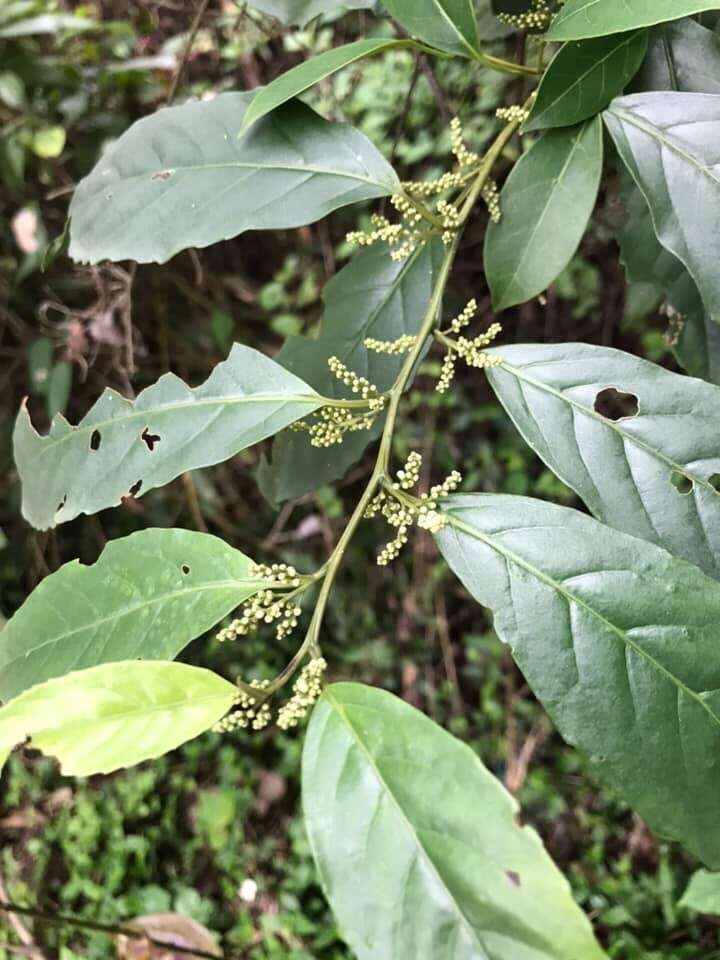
422,189
471,351
403,238
538,17
247,713
451,220
402,512
391,347
465,157
330,424
306,691
491,196
466,317
267,606
513,114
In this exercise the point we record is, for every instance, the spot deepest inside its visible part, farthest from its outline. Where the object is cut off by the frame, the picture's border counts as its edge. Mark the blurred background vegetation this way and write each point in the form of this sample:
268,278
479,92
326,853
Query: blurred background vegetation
188,832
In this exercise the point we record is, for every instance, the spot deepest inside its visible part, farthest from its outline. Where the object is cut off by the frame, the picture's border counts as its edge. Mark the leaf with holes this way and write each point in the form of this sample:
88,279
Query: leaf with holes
579,19
123,447
449,25
115,715
147,597
371,297
546,204
301,12
418,846
618,640
182,178
667,142
682,56
309,72
622,461
584,77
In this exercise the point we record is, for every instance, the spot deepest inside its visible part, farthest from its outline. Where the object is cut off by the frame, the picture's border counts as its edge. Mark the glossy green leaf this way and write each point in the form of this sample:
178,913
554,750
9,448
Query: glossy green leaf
147,596
123,447
584,77
647,474
419,847
618,640
682,56
182,178
301,12
702,893
115,715
371,297
546,204
668,143
579,19
698,344
307,74
446,24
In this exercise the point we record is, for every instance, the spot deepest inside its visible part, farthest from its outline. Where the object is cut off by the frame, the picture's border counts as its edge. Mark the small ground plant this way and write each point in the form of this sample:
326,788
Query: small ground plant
612,615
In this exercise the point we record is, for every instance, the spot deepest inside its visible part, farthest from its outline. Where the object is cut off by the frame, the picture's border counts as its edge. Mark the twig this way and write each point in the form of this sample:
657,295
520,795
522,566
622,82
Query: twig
195,26
29,946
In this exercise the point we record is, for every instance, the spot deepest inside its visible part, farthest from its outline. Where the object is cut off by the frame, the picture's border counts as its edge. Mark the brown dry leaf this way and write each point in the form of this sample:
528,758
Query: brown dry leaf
170,930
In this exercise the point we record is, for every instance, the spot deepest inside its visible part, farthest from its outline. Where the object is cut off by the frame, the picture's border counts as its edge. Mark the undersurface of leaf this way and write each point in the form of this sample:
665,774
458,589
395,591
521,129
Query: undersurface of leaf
147,597
115,715
648,472
597,18
419,847
182,178
546,204
123,447
668,143
618,640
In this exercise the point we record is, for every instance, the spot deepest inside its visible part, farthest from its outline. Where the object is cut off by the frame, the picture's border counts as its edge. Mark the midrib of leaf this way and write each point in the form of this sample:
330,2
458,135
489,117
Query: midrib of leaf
610,424
667,50
539,223
451,23
244,165
655,132
570,597
131,711
339,708
75,431
240,585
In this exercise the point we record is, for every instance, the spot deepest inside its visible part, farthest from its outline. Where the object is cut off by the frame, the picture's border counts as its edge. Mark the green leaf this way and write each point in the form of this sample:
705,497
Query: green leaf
182,178
307,74
584,77
667,141
579,19
147,596
618,640
682,56
47,23
698,347
419,847
116,715
371,297
647,474
546,204
123,447
446,24
301,12
702,893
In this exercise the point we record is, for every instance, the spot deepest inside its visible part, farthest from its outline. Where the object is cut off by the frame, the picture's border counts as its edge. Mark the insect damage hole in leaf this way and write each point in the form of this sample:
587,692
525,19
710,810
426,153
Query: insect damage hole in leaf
150,439
95,440
185,569
714,482
135,489
616,405
684,485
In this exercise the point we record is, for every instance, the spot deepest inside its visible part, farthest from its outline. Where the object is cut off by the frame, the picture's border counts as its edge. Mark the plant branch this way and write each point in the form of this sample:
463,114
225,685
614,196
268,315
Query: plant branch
194,27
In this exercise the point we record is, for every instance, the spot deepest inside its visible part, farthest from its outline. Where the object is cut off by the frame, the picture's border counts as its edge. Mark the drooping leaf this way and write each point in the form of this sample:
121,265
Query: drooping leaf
418,846
667,142
307,74
618,640
446,24
579,19
147,597
115,715
584,77
698,343
371,297
683,56
546,204
702,893
124,447
182,178
649,471
301,12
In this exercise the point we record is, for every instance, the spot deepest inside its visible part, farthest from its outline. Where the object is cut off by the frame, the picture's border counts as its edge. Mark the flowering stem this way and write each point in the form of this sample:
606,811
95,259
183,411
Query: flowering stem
505,66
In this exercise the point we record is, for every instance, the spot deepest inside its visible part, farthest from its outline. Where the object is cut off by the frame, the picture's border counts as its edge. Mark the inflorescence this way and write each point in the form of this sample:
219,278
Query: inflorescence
329,425
471,351
402,511
276,604
537,18
306,691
